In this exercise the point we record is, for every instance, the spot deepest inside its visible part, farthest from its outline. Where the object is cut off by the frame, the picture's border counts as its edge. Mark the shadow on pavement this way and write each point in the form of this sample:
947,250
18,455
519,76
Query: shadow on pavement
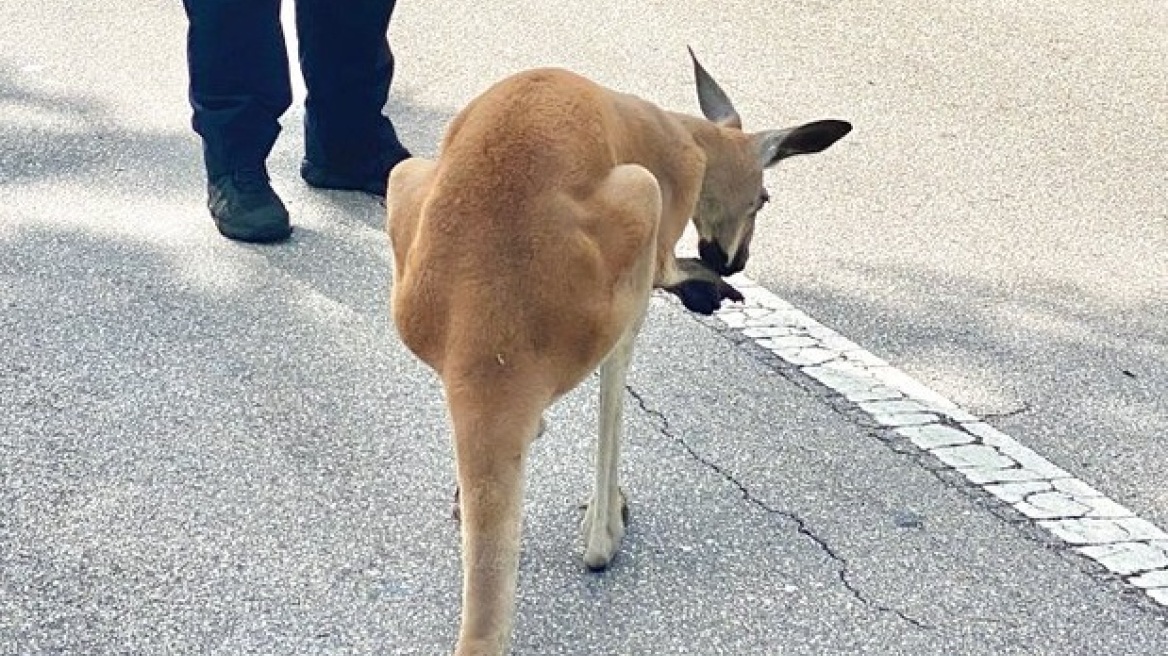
1011,342
54,138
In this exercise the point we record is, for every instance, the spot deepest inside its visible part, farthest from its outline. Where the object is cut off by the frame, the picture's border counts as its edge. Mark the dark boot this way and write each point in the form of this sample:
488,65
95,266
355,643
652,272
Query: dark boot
372,181
245,207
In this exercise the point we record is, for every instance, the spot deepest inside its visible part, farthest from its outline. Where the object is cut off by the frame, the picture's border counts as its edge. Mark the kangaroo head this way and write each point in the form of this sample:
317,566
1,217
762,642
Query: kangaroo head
732,191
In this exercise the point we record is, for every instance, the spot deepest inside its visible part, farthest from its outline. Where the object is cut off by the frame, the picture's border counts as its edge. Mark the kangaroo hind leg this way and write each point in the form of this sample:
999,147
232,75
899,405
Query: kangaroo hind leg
635,206
606,516
491,443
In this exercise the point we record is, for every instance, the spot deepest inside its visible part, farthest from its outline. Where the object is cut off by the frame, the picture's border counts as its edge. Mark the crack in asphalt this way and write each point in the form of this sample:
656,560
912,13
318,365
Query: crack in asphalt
801,525
851,412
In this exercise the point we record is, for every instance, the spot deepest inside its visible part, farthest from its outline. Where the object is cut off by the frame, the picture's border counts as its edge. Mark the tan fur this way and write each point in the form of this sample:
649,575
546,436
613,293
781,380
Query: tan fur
524,258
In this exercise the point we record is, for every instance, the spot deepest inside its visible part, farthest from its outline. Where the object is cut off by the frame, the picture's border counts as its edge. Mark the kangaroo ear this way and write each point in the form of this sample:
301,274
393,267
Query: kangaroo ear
775,145
716,105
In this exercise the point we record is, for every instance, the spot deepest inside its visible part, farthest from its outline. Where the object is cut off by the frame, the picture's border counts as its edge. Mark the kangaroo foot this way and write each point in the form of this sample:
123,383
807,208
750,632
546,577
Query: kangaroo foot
603,531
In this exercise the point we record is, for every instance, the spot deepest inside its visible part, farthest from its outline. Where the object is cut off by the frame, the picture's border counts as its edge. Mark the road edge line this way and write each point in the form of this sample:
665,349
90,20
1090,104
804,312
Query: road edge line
1063,505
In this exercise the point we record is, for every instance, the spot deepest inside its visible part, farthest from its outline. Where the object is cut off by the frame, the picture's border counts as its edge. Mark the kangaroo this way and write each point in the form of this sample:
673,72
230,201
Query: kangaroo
524,259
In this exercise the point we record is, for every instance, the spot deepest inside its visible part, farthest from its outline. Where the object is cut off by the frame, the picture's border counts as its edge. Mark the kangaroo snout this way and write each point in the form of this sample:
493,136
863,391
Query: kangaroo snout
717,259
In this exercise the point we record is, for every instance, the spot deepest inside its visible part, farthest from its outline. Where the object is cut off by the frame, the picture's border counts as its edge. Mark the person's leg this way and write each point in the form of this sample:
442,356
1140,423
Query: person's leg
347,67
239,88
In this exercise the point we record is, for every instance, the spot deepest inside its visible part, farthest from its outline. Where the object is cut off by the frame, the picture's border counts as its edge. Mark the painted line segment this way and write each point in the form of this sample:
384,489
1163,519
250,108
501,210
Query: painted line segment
1065,506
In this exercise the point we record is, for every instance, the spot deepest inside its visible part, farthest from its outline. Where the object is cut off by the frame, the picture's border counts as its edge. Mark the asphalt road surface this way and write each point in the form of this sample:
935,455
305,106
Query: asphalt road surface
211,448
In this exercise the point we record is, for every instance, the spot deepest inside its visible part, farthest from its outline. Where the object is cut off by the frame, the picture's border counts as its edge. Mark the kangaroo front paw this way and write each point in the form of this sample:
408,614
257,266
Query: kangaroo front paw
702,290
603,531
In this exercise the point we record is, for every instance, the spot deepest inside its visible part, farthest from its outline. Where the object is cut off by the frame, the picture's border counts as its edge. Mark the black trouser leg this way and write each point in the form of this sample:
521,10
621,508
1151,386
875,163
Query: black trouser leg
347,67
239,85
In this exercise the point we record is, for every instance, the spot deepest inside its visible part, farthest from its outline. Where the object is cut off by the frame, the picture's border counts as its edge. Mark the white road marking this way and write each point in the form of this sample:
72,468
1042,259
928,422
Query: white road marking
1068,508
